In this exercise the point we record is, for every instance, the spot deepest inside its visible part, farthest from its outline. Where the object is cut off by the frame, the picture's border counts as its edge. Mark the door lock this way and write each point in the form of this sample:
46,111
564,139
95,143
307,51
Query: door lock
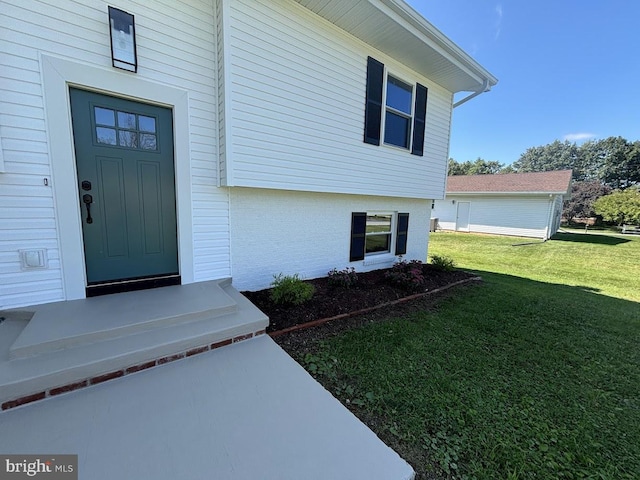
88,200
86,185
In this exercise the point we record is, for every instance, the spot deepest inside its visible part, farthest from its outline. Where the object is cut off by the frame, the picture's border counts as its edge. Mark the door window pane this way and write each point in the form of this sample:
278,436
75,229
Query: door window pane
105,116
126,120
106,136
147,141
147,124
128,139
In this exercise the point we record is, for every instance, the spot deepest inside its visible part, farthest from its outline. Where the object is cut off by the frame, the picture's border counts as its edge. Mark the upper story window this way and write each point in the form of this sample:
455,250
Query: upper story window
404,107
398,116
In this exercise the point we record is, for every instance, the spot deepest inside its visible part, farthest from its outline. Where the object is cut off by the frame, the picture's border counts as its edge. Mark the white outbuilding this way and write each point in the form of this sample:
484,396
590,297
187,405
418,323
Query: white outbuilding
520,204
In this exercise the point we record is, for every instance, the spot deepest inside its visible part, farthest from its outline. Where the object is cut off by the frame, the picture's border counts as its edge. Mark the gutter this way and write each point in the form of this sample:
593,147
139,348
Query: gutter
485,88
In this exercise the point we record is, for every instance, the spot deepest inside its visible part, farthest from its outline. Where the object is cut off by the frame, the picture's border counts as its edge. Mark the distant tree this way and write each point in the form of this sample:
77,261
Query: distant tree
554,156
455,168
485,167
621,206
613,160
507,169
583,194
477,167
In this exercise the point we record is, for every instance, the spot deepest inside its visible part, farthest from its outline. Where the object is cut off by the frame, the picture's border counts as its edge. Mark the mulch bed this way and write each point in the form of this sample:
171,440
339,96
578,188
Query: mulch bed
373,289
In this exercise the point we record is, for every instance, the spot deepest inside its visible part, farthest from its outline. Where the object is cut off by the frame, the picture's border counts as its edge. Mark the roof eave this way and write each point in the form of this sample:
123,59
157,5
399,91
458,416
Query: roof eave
407,37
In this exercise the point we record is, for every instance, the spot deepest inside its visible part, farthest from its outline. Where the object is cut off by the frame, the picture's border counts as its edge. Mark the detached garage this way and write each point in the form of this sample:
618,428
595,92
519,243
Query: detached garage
520,204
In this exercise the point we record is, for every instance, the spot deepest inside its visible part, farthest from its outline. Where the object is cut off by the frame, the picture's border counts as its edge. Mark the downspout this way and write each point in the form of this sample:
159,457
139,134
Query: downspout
485,88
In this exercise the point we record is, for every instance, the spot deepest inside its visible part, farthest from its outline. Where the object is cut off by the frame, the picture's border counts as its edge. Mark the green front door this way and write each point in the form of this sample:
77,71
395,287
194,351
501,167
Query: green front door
126,187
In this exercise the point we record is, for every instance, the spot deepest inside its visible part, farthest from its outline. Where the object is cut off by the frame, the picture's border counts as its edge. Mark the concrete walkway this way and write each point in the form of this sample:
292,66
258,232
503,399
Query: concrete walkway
246,411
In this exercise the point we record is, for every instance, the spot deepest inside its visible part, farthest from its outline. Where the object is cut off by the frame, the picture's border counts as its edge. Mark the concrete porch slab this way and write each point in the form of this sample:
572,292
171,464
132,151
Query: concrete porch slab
242,412
75,345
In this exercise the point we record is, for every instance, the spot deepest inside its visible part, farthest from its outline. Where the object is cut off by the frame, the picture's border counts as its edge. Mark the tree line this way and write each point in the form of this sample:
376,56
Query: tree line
607,169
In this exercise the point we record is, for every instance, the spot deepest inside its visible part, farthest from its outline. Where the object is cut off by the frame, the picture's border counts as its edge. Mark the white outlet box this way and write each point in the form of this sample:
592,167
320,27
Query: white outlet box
33,259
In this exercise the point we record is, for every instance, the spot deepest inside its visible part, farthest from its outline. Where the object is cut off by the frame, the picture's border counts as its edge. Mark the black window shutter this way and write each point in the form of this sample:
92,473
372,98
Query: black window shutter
358,229
420,115
373,101
401,233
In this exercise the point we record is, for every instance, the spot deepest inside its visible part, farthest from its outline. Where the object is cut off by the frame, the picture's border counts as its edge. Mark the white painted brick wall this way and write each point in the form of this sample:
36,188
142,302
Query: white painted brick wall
290,232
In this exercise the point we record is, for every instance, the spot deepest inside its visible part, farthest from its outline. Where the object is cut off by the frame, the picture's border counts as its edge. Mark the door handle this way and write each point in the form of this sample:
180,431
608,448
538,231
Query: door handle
88,200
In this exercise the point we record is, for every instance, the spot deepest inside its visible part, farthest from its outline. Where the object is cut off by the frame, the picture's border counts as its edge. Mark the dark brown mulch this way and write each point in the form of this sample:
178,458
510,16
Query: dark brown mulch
328,301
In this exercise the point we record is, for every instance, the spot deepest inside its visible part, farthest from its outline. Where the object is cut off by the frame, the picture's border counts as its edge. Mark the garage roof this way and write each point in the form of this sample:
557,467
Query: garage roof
554,182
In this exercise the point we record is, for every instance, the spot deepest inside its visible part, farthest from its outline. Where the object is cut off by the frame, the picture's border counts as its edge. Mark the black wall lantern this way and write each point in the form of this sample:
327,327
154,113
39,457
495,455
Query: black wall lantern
123,40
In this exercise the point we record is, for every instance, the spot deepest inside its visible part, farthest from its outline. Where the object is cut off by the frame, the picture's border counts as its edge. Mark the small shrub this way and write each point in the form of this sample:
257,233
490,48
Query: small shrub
346,278
408,275
290,289
443,262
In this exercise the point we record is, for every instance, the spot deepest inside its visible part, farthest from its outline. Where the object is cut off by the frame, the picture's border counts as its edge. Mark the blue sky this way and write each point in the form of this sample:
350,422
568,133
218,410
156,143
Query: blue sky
567,70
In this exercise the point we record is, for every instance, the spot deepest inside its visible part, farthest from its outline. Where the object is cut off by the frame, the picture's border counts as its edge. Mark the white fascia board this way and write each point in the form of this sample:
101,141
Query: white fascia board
438,40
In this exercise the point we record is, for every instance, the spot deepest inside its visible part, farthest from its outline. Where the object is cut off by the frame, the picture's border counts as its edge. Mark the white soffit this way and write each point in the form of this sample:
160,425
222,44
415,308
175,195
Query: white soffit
396,29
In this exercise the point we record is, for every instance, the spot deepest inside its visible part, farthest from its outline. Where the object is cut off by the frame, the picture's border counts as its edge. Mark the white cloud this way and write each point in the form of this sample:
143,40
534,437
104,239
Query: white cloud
498,24
578,137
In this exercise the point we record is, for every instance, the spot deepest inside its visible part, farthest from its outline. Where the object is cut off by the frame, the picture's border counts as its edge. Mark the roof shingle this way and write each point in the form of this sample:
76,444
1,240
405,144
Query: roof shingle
558,181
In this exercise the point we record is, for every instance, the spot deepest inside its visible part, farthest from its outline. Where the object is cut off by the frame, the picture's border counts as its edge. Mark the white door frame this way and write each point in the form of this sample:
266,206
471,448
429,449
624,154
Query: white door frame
58,74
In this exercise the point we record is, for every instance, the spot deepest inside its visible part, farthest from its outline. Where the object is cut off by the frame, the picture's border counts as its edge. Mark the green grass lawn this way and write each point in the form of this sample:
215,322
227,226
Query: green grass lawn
535,373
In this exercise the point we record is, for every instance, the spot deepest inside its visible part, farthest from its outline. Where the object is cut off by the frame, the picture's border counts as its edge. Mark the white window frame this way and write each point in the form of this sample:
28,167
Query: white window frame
392,232
387,108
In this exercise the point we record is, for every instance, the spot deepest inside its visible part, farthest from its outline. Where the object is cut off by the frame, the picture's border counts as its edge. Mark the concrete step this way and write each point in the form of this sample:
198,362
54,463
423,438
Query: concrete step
96,319
88,346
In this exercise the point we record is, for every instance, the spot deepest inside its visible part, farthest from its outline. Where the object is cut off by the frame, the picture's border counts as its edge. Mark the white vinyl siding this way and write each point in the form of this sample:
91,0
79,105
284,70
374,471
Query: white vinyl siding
518,215
309,233
175,47
297,109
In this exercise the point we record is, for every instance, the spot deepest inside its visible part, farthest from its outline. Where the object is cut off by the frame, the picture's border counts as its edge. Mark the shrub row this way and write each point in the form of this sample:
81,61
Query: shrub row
409,275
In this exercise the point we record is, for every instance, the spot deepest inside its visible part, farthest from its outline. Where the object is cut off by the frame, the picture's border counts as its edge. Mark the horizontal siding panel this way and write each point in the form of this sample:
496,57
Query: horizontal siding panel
9,190
27,234
25,214
32,136
297,110
22,123
15,73
33,223
27,297
12,288
34,242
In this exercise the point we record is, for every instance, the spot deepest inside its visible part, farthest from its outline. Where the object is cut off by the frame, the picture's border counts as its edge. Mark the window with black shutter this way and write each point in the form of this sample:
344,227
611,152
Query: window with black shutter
395,110
374,233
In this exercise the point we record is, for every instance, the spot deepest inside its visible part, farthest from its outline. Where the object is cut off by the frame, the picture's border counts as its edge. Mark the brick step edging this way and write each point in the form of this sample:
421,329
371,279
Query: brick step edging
103,377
